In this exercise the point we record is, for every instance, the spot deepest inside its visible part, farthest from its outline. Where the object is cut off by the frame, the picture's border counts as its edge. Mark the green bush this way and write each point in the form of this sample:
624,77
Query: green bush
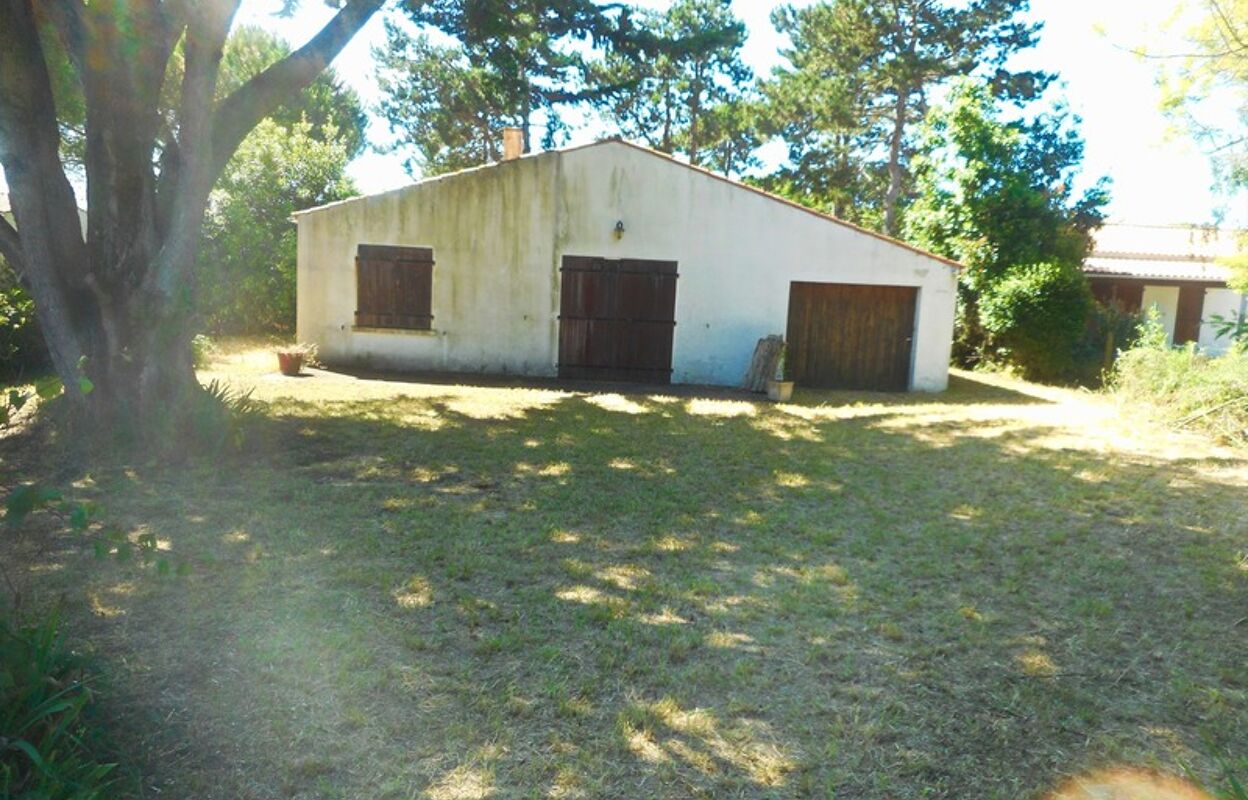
46,740
1035,316
1186,388
21,344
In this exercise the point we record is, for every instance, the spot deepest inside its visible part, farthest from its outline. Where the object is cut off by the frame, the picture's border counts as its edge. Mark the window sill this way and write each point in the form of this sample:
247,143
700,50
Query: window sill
398,331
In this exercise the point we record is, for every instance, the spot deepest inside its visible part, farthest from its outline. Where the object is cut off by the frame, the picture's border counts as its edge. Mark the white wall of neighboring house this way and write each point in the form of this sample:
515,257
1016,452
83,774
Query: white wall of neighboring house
1166,301
1220,302
499,234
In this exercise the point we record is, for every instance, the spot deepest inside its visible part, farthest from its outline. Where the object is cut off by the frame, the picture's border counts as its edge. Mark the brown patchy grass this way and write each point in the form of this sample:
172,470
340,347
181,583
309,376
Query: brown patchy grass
435,591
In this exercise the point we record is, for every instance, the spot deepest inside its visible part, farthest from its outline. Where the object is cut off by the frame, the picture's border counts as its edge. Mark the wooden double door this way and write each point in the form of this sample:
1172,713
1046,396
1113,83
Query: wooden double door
851,336
617,318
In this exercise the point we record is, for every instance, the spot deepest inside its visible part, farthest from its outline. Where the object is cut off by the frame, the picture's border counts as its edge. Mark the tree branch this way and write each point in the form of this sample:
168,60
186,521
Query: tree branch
243,110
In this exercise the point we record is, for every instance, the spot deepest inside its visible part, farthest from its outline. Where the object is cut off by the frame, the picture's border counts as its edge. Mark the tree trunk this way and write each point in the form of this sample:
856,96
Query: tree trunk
895,172
116,305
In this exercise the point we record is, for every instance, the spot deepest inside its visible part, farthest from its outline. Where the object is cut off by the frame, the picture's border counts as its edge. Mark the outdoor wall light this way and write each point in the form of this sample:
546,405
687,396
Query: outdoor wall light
619,229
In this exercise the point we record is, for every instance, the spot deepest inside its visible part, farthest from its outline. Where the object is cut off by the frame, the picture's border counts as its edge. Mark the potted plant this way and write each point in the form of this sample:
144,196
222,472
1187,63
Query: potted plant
291,359
780,390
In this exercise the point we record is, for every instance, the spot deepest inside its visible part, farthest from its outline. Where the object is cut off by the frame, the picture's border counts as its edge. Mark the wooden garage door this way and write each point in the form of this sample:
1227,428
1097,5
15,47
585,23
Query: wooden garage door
1187,317
849,336
616,319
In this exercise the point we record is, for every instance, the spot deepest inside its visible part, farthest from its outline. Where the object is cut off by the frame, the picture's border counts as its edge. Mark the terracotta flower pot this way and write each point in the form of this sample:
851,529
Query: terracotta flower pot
290,363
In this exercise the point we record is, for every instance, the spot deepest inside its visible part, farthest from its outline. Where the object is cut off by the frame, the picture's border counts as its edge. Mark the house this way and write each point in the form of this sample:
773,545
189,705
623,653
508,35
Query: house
612,261
1174,268
6,211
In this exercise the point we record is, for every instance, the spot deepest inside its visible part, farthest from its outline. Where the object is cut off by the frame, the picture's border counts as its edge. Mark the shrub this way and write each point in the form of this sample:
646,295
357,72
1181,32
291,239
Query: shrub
1185,388
21,344
46,740
1035,316
202,351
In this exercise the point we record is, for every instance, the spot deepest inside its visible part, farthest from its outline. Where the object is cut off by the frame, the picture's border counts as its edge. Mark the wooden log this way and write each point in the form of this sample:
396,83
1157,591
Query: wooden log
767,355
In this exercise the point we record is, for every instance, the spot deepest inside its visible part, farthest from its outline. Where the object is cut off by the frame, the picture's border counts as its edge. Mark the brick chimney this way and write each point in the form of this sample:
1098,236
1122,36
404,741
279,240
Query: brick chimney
513,143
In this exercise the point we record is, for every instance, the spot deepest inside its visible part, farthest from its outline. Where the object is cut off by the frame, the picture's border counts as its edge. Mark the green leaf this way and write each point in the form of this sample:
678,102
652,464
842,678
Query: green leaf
25,747
124,551
101,550
25,499
48,388
183,569
17,399
85,386
162,566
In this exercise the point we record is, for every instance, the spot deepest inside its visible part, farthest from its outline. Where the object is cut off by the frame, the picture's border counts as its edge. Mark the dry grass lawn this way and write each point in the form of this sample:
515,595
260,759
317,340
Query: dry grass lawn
431,591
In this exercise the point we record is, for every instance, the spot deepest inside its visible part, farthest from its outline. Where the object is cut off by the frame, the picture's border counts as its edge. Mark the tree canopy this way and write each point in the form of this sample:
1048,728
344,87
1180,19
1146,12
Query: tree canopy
688,96
511,61
1205,88
859,80
998,196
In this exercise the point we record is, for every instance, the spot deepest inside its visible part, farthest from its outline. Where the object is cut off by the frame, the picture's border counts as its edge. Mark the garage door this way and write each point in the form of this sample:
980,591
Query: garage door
616,319
849,336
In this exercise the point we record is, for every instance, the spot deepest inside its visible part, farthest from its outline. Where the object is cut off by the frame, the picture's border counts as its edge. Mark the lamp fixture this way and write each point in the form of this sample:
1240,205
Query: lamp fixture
619,229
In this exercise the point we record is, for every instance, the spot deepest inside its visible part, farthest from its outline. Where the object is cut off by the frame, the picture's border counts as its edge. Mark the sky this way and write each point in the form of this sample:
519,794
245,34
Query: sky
1159,175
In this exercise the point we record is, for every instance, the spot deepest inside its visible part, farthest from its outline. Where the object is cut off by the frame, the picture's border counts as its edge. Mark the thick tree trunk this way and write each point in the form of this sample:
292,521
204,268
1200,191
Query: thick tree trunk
117,305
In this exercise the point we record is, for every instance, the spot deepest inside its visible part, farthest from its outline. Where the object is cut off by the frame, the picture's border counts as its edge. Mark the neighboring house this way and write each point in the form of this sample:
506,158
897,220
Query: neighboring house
1174,268
6,211
614,261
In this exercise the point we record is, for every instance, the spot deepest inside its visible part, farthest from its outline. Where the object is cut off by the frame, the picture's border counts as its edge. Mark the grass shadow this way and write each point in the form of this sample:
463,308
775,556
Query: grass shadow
605,595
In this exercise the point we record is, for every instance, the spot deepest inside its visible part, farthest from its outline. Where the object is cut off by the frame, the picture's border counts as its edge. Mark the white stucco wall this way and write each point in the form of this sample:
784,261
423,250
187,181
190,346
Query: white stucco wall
499,234
1166,299
1220,302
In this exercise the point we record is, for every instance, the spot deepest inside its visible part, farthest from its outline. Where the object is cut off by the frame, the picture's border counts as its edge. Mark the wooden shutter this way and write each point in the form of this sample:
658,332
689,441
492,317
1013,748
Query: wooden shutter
394,287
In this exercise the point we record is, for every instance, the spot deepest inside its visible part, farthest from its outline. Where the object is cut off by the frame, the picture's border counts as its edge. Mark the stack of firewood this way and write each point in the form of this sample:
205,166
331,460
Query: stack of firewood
767,355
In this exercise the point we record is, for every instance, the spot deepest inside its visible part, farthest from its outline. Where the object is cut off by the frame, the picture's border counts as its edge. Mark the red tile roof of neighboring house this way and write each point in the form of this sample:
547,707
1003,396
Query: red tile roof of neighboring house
1162,252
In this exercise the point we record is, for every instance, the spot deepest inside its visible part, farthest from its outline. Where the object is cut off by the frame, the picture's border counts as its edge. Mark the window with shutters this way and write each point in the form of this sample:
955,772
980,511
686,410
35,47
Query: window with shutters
394,287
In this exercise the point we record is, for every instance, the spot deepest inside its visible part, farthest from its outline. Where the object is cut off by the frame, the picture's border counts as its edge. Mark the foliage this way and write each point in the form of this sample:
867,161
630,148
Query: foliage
249,248
1205,90
511,60
47,741
1108,331
328,103
1207,79
224,417
1184,387
690,97
1034,317
859,78
446,112
997,196
21,345
202,350
334,109
1233,327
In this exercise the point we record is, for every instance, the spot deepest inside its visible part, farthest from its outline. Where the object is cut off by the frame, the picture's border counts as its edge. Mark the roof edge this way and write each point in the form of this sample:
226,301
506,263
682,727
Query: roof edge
616,140
771,196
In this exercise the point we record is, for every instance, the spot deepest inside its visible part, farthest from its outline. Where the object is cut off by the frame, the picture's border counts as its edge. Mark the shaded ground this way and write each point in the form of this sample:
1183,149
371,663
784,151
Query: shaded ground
439,591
